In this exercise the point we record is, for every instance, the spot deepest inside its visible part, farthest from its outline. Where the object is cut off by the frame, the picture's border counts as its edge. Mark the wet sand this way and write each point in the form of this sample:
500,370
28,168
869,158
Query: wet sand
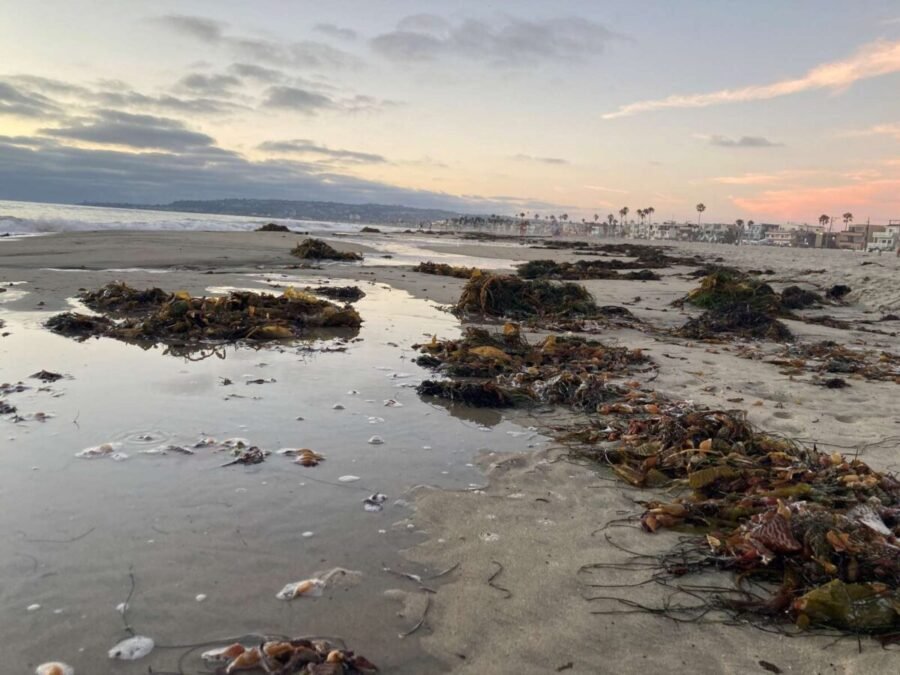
537,518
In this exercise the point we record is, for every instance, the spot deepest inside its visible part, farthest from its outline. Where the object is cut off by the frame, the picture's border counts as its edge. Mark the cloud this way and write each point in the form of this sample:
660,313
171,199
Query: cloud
511,43
746,179
18,102
304,53
50,171
165,103
805,204
112,127
889,129
742,142
301,146
600,188
294,98
251,71
334,31
542,160
209,85
872,60
198,27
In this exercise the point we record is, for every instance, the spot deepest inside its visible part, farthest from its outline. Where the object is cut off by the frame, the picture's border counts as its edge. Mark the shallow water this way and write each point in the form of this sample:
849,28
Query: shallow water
74,529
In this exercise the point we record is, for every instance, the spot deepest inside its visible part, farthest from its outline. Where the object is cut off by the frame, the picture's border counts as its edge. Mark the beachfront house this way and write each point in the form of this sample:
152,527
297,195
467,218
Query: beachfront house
779,237
887,239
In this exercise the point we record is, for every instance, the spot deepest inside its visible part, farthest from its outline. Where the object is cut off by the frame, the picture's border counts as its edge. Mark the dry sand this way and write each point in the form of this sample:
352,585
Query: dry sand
540,514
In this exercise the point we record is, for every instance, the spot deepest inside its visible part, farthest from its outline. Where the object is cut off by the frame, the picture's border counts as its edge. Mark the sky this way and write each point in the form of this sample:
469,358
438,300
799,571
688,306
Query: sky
772,111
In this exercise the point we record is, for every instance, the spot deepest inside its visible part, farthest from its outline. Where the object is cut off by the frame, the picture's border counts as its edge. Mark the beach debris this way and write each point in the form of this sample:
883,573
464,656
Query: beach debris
370,230
831,358
132,649
153,316
375,502
261,380
102,450
516,298
33,607
392,403
794,297
819,530
837,292
308,458
583,269
316,249
348,479
285,656
344,293
445,270
338,406
315,586
54,668
739,319
247,456
376,440
46,376
561,369
273,227
6,408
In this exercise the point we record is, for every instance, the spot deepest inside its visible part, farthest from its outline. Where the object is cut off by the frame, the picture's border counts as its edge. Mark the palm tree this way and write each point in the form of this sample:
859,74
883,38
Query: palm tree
701,207
640,213
848,218
739,223
623,212
650,211
823,220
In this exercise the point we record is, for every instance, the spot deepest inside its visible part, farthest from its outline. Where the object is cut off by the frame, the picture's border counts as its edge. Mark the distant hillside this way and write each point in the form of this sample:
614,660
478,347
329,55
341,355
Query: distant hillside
298,210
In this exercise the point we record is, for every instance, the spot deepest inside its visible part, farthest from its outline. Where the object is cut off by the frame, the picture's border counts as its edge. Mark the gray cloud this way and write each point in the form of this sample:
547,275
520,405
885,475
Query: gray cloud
294,98
542,160
194,26
302,54
251,71
742,142
514,42
209,85
334,31
302,146
50,171
112,127
165,103
19,102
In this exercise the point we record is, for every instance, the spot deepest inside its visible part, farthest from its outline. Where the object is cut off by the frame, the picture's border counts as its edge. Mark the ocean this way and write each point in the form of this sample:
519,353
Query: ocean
32,218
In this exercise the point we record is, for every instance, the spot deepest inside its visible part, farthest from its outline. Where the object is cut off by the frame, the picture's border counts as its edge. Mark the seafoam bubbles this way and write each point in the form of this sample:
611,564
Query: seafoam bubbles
132,649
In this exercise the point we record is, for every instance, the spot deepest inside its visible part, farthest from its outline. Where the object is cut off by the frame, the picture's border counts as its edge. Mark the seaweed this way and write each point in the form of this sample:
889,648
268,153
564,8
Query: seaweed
316,249
370,230
273,227
794,297
477,394
582,269
508,296
345,293
183,319
444,270
739,319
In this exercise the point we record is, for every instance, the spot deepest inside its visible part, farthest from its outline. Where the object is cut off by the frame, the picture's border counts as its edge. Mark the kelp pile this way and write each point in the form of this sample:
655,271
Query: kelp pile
814,534
646,255
273,227
503,369
445,270
583,269
508,296
735,304
345,293
154,316
830,359
316,249
794,297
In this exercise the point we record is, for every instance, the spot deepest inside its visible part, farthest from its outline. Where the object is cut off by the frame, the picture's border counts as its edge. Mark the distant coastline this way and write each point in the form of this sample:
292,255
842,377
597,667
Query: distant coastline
294,210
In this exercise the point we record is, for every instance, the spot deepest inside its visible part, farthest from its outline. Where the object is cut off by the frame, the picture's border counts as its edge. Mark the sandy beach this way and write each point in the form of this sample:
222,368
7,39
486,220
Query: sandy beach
493,499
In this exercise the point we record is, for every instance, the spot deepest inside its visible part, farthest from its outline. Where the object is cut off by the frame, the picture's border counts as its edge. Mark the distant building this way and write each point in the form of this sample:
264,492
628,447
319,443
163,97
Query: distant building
887,239
779,237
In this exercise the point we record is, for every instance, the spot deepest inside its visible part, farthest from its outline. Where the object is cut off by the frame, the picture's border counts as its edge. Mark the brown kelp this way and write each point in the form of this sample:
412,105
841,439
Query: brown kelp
445,270
179,318
316,249
501,295
581,269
